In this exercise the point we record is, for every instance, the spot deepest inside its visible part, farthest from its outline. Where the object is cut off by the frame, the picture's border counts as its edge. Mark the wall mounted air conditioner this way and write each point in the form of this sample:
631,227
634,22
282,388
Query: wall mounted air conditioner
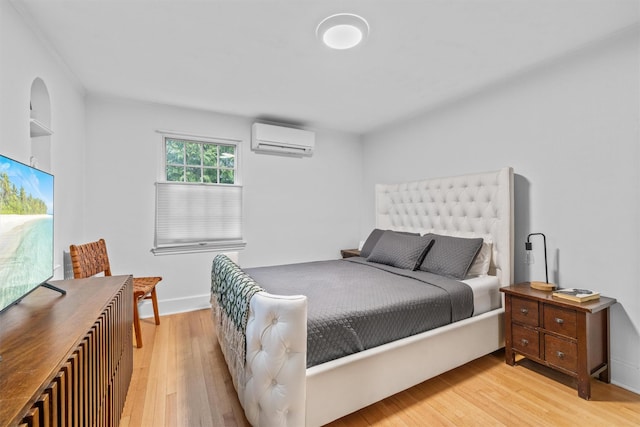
282,140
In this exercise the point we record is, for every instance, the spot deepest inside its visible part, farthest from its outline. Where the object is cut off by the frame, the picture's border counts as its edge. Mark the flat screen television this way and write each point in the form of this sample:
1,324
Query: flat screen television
26,230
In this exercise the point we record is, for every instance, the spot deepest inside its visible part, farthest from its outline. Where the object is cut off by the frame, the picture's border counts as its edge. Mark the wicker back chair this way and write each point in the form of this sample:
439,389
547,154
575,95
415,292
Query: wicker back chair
91,258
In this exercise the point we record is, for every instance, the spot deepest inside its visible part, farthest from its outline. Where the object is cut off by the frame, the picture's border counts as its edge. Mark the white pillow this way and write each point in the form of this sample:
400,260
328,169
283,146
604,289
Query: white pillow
482,262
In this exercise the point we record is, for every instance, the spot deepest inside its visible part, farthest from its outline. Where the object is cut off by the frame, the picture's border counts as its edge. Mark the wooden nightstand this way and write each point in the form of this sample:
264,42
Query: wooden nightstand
348,253
569,337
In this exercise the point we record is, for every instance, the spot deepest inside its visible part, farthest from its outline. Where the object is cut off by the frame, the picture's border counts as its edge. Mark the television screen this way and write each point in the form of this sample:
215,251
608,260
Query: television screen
26,230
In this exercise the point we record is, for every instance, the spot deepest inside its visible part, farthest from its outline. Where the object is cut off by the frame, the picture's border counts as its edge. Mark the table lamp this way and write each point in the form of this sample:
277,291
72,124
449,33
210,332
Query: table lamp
542,286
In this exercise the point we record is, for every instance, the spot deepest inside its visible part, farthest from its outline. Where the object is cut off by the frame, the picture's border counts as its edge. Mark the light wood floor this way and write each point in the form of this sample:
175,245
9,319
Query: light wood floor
180,379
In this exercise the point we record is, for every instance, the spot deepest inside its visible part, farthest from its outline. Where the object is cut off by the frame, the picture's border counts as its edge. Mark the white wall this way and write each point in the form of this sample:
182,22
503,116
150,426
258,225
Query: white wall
303,209
570,130
24,59
295,209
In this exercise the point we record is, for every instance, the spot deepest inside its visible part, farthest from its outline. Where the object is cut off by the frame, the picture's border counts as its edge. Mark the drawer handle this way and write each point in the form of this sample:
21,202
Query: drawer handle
559,321
560,354
524,311
524,342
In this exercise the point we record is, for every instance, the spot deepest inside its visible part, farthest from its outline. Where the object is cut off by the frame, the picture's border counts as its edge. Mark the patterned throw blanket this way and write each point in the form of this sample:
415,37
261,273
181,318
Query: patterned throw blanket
232,290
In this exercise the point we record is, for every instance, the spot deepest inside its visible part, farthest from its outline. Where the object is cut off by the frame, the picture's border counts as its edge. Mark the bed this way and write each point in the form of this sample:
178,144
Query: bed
264,338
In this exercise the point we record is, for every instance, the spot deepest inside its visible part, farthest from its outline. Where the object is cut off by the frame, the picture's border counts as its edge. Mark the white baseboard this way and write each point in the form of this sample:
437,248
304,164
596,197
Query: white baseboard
625,375
177,305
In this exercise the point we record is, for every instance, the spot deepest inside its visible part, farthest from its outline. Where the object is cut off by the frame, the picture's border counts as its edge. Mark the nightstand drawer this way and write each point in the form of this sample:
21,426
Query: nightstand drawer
525,340
560,320
524,311
561,353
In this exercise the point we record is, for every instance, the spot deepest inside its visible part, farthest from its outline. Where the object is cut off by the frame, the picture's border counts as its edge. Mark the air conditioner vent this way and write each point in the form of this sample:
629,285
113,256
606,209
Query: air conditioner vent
274,139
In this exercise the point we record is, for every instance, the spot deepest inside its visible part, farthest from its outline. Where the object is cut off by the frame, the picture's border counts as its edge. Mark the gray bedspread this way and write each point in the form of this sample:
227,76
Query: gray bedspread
354,305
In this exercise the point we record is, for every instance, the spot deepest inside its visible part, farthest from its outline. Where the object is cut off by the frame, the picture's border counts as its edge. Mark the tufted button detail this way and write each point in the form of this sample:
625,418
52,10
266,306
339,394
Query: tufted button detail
274,320
274,382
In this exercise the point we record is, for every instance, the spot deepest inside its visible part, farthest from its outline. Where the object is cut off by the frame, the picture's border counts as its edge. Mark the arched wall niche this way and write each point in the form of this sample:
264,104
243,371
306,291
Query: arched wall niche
40,125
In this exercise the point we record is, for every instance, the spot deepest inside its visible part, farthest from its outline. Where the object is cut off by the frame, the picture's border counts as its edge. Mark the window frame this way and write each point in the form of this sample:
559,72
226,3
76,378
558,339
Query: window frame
204,245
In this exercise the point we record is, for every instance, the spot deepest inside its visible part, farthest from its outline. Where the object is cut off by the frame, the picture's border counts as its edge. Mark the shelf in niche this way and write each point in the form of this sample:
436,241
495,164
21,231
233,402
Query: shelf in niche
39,129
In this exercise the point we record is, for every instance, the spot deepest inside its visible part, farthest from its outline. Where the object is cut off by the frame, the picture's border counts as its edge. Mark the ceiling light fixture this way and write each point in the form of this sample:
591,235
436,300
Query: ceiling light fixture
343,30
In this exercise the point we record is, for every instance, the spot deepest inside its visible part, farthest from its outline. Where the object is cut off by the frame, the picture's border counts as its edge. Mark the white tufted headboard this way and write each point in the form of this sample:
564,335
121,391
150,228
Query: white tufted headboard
474,205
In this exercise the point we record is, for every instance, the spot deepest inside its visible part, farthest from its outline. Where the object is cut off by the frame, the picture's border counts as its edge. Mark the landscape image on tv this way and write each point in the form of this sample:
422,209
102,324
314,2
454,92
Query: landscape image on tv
26,230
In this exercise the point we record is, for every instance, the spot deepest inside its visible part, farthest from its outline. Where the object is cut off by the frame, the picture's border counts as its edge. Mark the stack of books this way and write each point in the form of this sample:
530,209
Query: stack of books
578,295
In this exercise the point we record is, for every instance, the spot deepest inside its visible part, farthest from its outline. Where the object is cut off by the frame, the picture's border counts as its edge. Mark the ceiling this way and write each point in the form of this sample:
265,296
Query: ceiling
262,58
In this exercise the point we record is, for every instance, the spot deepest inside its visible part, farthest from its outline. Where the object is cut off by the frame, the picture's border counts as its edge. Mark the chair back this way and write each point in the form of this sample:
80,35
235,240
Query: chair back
90,259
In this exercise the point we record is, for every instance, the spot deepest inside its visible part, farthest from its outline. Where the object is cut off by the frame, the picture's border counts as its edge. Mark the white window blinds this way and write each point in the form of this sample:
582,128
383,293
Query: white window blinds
198,217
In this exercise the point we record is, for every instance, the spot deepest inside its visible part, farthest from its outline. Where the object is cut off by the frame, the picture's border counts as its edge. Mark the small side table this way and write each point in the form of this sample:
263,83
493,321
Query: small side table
569,337
348,253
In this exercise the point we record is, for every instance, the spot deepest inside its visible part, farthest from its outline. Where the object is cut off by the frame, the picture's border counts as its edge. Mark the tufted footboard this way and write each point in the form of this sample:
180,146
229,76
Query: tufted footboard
275,372
270,376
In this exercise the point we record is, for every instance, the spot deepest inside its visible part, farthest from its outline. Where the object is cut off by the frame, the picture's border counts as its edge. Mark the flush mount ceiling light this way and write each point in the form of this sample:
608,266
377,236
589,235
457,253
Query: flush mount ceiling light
343,30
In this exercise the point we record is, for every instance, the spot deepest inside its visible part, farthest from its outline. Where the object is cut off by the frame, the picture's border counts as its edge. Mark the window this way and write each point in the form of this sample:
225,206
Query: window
198,195
199,161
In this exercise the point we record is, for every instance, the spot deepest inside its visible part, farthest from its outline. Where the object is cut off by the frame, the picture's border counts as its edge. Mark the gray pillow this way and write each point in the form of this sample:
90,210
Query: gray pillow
400,250
370,243
373,238
451,256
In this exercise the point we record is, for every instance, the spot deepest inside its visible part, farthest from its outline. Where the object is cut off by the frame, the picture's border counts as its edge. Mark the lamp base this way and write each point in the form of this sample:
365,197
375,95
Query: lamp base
542,286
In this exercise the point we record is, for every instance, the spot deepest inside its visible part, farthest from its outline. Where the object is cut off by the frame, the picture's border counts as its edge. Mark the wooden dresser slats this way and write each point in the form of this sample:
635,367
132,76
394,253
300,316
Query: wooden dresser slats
78,371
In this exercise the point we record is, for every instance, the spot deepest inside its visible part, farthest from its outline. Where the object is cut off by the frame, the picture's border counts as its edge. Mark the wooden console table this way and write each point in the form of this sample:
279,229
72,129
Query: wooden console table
67,359
570,337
